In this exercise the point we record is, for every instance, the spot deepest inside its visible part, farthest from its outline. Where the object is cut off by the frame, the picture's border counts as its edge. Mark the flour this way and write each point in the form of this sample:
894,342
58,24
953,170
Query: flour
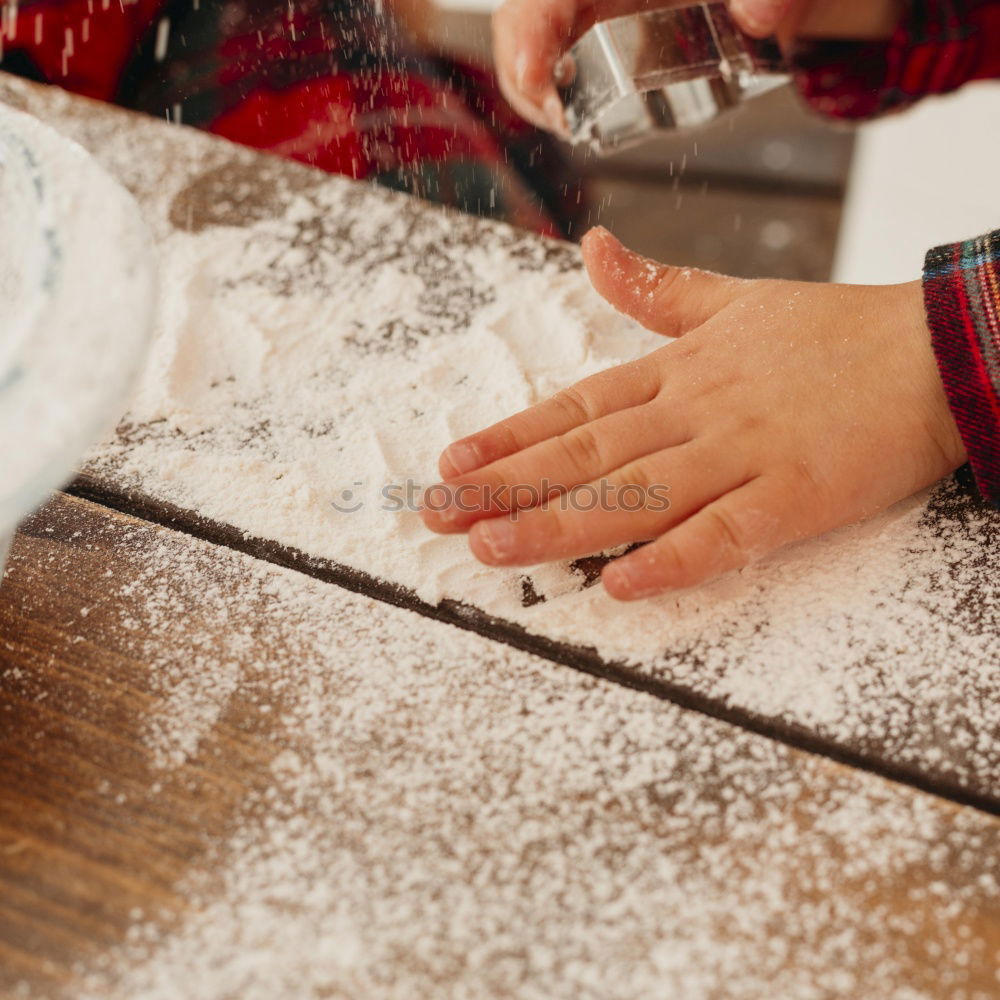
319,341
318,338
351,388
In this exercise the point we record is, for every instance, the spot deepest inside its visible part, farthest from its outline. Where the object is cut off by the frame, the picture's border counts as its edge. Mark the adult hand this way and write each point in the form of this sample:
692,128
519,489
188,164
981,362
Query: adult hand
532,36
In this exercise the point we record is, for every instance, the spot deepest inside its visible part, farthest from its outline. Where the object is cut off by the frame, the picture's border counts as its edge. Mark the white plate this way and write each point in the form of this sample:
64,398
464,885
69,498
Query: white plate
77,295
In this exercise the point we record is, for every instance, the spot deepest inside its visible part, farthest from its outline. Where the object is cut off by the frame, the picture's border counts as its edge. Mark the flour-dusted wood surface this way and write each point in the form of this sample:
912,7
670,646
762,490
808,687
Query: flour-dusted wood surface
321,340
224,779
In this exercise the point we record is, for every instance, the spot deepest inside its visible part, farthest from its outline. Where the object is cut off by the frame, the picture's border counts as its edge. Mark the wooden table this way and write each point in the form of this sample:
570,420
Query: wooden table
223,777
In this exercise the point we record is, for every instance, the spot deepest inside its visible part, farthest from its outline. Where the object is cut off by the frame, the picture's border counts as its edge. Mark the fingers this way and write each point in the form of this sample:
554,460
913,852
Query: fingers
530,37
635,503
617,389
667,300
726,535
761,18
531,477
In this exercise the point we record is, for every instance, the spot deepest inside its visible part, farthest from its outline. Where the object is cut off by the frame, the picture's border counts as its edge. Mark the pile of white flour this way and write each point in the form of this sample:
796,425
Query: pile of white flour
275,398
327,341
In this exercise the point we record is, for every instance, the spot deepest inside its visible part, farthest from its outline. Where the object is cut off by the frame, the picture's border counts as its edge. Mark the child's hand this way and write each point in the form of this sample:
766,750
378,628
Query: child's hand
785,410
530,36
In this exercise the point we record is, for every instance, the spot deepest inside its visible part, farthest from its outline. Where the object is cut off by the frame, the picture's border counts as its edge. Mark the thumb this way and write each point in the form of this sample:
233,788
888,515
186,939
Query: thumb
667,300
760,18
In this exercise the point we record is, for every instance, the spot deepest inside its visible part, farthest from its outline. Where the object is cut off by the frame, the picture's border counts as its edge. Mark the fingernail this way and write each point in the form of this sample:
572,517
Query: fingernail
598,235
498,538
606,236
622,580
440,502
462,457
617,578
555,115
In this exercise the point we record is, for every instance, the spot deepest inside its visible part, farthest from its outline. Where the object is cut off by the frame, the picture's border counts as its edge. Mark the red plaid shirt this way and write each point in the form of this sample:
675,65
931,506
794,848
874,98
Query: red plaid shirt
939,46
332,83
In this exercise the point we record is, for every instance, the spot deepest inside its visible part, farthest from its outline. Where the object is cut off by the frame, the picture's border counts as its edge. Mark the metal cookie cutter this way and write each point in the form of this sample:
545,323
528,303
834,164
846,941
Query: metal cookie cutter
675,68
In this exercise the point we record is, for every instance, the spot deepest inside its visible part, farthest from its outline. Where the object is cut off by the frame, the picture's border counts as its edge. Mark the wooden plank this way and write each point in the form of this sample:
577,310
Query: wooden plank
222,778
876,645
90,833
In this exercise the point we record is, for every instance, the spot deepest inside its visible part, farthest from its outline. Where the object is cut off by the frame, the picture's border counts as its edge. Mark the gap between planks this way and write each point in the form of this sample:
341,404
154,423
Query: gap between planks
580,658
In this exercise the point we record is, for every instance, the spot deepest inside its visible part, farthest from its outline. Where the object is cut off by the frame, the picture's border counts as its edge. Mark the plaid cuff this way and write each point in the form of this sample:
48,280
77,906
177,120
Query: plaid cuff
962,297
937,47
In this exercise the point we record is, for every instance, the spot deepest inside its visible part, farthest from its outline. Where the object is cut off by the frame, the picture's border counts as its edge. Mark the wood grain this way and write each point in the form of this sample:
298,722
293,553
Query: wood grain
98,839
935,774
91,833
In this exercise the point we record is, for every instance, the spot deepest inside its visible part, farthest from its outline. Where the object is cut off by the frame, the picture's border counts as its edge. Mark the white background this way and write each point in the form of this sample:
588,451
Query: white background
920,179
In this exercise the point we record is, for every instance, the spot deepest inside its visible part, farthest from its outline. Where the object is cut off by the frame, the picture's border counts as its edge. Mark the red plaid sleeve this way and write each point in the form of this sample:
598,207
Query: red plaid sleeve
938,46
962,297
